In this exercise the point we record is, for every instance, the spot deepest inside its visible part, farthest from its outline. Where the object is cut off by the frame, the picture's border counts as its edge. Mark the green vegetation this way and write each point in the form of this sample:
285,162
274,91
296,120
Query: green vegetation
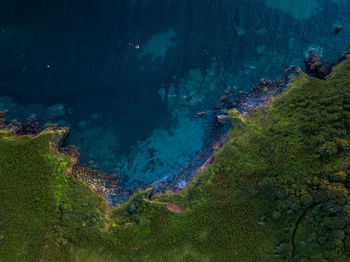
42,209
278,189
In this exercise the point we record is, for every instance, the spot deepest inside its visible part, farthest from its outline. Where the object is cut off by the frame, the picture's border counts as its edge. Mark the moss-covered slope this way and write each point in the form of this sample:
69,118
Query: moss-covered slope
278,189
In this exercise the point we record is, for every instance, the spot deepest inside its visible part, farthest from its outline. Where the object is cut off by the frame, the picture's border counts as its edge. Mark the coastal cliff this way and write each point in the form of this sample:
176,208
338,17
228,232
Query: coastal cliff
277,191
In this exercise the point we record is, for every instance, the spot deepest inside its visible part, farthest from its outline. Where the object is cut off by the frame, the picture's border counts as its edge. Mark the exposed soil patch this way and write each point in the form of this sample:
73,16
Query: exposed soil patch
175,208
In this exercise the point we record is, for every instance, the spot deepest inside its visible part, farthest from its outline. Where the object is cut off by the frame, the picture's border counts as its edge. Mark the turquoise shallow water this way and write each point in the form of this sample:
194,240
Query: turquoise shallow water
128,77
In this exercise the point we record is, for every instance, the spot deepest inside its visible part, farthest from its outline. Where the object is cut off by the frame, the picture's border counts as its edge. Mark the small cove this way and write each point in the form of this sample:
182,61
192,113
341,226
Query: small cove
129,77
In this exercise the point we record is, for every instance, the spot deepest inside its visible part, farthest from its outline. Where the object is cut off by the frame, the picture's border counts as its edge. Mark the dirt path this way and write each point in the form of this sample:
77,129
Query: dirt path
344,162
175,208
266,116
291,240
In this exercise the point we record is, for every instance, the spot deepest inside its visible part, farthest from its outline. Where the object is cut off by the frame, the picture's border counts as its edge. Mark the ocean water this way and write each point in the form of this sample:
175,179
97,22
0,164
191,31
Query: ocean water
128,77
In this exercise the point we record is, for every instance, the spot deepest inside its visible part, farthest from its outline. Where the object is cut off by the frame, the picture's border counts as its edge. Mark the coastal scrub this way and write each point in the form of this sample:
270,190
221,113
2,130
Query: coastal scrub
277,191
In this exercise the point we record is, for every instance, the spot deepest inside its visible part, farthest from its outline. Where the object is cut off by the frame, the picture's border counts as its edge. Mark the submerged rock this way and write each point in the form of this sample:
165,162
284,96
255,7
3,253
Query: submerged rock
3,113
223,116
56,111
201,114
315,67
337,29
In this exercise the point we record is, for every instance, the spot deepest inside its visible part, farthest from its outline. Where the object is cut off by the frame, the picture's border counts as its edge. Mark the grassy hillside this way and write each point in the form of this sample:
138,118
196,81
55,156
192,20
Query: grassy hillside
278,190
42,209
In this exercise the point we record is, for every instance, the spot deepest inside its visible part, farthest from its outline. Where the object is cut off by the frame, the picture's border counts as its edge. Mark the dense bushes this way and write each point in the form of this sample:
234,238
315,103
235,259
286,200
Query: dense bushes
42,209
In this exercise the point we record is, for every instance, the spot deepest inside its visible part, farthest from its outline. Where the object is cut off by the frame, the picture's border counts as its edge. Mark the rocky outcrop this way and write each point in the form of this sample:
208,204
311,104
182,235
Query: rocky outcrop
337,29
18,128
245,102
315,66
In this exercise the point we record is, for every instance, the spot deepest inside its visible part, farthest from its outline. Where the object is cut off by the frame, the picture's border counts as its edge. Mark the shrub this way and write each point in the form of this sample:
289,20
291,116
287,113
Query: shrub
338,177
286,250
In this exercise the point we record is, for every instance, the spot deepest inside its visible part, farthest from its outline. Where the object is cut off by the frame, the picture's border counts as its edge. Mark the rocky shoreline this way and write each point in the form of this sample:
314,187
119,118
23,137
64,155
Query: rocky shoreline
217,136
247,103
108,185
94,178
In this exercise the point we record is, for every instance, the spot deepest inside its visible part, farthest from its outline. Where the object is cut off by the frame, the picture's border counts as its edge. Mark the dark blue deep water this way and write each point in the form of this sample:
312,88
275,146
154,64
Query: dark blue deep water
128,77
